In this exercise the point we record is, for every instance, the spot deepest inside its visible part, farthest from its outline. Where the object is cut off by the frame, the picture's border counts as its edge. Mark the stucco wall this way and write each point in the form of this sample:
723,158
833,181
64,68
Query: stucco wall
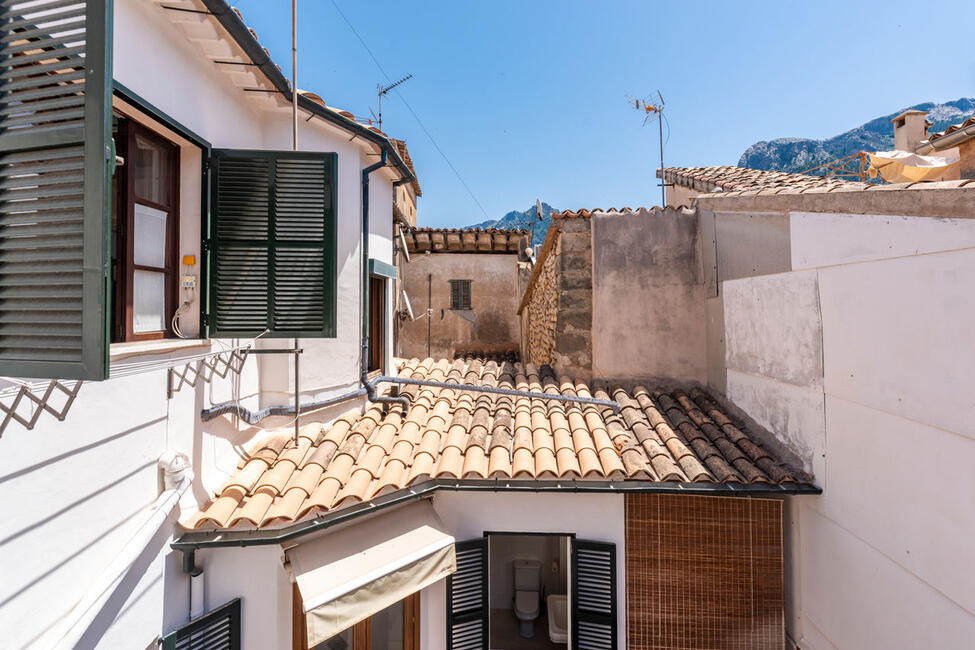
859,356
648,316
679,195
76,490
492,322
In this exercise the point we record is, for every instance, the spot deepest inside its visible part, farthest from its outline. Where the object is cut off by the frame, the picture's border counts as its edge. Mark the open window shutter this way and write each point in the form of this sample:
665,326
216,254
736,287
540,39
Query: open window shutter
55,181
593,595
272,244
216,630
467,598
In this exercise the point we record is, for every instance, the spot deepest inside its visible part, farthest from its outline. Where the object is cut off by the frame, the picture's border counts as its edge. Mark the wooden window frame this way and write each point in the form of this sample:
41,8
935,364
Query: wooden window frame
123,298
361,631
377,322
459,287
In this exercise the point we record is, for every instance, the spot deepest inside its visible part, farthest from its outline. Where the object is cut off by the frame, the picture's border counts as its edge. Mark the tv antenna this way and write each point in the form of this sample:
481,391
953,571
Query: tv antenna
383,90
654,110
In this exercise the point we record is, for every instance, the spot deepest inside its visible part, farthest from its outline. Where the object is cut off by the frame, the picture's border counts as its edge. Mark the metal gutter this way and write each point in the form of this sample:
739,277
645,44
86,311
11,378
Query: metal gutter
253,417
947,141
239,31
239,538
497,391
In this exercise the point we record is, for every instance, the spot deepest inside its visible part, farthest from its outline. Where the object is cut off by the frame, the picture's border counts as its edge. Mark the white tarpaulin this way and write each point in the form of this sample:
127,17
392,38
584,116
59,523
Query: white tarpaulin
904,167
347,576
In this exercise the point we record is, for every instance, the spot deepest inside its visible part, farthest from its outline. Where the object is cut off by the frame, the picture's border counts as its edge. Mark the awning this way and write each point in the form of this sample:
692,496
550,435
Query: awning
349,575
905,167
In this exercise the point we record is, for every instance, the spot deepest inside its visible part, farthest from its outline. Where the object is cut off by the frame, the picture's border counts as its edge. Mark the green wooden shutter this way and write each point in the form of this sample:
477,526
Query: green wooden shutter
593,595
216,630
55,187
272,244
467,597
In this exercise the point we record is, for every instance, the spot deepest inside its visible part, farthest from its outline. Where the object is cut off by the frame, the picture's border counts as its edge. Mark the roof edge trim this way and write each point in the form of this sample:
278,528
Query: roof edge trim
239,538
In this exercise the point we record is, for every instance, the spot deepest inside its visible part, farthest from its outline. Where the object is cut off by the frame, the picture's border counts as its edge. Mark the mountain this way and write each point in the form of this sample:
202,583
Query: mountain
800,154
515,219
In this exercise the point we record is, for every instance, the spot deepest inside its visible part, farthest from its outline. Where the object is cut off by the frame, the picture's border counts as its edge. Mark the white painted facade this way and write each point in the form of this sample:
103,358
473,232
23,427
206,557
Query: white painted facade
860,358
256,574
76,490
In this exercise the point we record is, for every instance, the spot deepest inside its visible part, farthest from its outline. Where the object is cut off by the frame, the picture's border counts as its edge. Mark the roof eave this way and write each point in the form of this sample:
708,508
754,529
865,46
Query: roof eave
239,31
262,537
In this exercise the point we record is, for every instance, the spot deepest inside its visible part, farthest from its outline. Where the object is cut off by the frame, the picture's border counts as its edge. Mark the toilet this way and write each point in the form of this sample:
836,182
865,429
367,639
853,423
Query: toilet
528,578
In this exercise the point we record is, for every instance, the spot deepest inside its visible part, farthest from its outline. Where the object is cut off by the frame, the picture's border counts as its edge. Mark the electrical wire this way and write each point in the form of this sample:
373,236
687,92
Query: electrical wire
413,112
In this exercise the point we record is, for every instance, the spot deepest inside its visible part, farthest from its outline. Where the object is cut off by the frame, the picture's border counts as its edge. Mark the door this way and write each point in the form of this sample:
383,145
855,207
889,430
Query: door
593,595
467,598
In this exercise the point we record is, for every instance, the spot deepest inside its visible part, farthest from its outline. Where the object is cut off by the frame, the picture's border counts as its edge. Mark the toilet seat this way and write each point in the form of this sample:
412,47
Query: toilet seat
526,605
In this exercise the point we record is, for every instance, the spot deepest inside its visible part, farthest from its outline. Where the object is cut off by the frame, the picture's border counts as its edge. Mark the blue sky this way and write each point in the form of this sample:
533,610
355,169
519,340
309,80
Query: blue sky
527,99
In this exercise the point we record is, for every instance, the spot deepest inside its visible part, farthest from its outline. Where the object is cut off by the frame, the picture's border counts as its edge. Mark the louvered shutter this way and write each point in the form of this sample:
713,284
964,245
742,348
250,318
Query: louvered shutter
467,598
216,630
55,180
593,595
272,244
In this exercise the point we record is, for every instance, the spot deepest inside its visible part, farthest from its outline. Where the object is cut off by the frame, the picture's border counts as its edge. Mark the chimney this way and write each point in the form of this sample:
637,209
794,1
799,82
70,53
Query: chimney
910,128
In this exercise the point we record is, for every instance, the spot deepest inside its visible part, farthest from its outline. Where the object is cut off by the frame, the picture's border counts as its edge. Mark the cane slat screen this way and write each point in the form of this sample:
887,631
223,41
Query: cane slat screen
704,573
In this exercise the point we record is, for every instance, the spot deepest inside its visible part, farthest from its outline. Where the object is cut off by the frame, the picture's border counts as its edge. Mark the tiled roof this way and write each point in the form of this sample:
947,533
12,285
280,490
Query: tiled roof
672,436
725,178
951,129
467,240
404,153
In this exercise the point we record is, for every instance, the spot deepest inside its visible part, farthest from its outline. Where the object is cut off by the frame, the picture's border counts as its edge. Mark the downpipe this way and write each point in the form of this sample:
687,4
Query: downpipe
177,477
370,387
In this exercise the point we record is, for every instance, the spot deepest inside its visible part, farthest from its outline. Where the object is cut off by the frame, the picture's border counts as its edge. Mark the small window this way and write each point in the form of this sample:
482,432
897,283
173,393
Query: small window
145,228
460,294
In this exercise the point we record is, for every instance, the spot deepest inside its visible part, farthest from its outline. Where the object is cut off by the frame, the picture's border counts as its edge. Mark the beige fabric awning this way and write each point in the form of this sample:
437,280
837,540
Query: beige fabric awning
905,167
349,575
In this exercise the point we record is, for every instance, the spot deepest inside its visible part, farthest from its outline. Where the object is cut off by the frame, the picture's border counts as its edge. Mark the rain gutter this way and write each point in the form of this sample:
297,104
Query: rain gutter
194,540
947,141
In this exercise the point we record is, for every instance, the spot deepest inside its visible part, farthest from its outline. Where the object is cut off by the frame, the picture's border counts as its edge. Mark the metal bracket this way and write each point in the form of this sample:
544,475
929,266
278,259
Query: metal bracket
39,404
219,364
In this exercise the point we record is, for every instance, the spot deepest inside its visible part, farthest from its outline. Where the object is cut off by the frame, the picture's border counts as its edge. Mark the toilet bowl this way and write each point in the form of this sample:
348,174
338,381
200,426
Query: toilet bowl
527,602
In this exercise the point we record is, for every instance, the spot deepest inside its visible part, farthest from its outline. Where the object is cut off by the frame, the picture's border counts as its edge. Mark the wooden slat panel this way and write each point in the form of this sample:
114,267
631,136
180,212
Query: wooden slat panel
704,573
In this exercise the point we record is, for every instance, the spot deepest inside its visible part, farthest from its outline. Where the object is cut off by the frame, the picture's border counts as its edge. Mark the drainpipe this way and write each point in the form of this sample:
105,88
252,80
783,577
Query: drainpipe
177,479
364,361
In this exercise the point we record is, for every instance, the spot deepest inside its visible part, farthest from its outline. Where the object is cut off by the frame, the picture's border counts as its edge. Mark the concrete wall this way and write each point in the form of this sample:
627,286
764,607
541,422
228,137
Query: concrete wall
858,355
492,322
76,490
679,195
648,316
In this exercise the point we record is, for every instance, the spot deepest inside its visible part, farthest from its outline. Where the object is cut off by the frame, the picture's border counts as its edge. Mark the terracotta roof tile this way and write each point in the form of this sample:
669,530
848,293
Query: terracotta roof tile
658,435
726,178
464,240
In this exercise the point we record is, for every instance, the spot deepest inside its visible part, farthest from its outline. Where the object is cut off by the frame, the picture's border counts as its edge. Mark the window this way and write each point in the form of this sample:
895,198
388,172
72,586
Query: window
377,322
272,244
395,628
145,234
460,294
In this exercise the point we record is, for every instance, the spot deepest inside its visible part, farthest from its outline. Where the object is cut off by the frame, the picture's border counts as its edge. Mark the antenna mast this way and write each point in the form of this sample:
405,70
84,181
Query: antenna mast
654,109
384,90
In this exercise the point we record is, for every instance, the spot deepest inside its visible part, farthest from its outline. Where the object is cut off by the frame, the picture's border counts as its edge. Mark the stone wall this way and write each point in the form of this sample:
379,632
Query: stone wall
558,308
543,308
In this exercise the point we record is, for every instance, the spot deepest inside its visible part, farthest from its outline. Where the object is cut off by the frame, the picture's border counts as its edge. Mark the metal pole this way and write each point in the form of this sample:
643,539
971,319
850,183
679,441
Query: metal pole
294,147
294,77
663,178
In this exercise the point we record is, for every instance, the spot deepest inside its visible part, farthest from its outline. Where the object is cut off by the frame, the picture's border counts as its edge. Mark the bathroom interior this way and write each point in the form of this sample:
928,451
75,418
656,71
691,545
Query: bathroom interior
528,587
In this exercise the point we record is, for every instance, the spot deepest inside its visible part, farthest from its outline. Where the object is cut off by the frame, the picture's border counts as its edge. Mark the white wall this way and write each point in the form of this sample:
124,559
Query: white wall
468,515
75,490
861,359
